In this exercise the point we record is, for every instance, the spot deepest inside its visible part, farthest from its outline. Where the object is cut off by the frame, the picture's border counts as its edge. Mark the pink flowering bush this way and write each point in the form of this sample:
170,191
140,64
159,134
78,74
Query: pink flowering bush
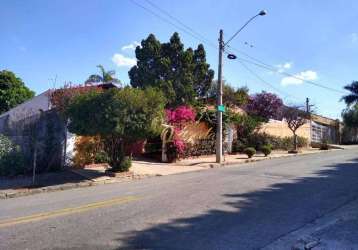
179,145
178,117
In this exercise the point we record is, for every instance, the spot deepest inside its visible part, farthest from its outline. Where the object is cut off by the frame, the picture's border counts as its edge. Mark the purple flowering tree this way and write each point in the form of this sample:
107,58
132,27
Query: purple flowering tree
265,105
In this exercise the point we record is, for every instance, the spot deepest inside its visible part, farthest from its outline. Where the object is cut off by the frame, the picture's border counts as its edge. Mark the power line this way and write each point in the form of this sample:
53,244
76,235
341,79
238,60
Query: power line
273,69
256,62
267,83
293,76
166,20
180,22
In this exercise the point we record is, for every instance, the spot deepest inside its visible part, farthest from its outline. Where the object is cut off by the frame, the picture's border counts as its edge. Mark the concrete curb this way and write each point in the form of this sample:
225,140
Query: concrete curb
231,163
28,191
89,183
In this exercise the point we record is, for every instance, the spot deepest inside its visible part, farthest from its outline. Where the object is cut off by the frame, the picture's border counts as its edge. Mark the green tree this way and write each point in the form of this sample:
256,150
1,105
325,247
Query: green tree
351,98
232,97
104,76
350,116
119,116
246,125
12,91
182,75
295,118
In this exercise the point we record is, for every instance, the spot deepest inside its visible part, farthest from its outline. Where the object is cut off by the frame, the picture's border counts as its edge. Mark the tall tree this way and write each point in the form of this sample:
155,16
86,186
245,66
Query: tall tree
351,98
350,116
183,75
104,76
12,91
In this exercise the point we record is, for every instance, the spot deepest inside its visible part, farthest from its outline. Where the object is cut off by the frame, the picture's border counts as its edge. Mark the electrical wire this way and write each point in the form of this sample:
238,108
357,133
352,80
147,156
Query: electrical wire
254,61
166,20
267,83
181,23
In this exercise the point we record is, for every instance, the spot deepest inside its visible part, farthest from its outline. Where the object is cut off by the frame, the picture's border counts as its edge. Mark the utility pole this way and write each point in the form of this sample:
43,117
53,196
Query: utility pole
307,105
219,101
308,110
219,129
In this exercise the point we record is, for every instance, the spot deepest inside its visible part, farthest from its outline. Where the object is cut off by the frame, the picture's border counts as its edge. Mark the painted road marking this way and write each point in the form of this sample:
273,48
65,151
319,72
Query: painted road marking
67,211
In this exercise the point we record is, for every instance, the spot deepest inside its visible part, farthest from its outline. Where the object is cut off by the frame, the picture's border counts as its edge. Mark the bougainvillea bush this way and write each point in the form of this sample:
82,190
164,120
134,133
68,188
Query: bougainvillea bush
178,117
61,98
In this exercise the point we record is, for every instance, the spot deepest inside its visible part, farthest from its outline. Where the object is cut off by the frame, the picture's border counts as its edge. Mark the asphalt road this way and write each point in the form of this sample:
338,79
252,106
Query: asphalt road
243,207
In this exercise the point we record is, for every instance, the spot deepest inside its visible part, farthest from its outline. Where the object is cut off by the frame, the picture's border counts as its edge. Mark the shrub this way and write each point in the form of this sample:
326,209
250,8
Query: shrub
153,147
180,115
12,161
238,147
250,152
123,166
122,116
12,164
266,149
101,157
258,140
246,124
87,149
6,145
324,145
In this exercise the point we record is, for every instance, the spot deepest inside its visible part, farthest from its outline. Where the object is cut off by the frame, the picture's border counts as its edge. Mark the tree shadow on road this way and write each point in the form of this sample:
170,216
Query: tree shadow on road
253,220
42,180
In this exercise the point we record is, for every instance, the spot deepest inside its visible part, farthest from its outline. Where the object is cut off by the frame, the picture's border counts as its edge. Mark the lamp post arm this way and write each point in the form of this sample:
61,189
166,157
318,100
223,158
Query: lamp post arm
237,32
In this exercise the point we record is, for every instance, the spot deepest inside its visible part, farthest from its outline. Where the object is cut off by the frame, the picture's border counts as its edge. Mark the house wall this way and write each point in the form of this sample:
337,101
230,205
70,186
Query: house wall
28,108
280,129
314,131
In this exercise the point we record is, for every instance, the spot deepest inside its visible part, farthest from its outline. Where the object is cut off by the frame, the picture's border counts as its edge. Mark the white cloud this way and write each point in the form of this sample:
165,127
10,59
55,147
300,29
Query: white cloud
131,46
123,61
283,67
354,37
299,78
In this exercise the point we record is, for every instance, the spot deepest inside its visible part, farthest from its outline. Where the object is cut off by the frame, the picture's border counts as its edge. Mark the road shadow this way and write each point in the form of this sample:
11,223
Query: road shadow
44,180
255,219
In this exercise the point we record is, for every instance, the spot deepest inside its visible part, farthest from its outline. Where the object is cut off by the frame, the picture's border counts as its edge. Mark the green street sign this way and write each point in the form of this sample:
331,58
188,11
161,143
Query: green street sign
221,108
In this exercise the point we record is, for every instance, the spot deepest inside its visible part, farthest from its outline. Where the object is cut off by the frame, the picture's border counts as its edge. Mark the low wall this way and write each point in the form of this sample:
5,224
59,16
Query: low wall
46,128
280,129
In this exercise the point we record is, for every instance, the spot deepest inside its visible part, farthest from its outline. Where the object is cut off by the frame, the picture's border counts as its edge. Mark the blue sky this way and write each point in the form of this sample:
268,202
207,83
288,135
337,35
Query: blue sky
315,40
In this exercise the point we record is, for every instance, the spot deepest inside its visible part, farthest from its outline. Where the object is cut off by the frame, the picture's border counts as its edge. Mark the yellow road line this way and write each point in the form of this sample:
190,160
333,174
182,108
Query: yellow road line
66,211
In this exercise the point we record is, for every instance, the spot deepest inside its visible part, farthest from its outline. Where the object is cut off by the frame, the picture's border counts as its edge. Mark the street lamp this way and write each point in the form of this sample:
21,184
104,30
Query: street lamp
220,107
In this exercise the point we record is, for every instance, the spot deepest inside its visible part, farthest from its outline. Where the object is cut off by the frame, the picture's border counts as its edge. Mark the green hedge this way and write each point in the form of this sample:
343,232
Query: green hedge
258,140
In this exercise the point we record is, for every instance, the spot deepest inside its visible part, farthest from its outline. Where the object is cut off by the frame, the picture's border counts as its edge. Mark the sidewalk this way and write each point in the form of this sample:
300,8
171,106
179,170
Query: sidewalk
74,178
205,162
337,230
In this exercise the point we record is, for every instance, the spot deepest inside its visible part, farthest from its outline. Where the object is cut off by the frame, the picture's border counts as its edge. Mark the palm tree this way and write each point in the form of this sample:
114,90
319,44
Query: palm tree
351,98
104,77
